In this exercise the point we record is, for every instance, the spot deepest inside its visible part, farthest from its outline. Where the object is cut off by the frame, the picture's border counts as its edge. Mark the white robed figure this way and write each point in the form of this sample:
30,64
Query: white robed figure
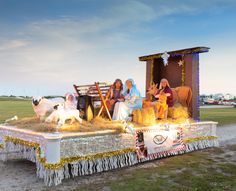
70,102
132,101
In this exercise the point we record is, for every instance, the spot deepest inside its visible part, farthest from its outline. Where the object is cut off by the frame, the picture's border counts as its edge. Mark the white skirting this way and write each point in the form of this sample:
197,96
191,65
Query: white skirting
54,177
201,144
18,151
85,167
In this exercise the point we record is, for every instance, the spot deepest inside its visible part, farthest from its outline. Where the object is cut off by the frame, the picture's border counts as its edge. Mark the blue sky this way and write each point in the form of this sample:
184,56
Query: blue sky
47,45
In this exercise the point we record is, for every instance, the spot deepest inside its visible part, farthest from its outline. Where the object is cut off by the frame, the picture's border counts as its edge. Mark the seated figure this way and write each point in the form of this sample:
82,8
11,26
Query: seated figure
164,96
115,95
132,100
182,96
165,88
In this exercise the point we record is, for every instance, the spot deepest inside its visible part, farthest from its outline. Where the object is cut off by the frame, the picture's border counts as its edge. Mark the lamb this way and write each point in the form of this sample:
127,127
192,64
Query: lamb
42,106
61,114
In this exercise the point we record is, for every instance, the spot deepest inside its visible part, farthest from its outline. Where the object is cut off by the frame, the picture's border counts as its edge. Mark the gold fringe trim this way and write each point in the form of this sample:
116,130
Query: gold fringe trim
66,160
1,146
189,140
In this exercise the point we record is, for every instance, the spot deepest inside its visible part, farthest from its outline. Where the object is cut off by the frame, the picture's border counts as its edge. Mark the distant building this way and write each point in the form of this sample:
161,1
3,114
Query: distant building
228,97
218,96
217,99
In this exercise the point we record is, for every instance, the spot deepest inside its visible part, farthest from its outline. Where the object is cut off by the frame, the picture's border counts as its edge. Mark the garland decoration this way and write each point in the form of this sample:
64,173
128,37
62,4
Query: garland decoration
189,140
66,160
183,74
152,66
182,64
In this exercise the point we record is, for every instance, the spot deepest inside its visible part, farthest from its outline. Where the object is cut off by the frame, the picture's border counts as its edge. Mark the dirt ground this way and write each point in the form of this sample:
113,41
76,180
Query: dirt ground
20,175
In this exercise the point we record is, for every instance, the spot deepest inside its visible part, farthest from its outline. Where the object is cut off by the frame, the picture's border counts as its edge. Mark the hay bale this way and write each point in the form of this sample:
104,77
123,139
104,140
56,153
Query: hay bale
144,116
178,111
135,115
147,104
139,117
148,116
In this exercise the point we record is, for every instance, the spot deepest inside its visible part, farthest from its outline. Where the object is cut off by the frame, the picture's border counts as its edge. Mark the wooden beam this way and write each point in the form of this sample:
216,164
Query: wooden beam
192,80
176,52
149,73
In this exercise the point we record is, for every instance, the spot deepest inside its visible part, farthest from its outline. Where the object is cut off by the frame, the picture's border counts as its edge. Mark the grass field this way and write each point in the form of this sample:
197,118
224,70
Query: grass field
10,108
224,116
23,108
208,170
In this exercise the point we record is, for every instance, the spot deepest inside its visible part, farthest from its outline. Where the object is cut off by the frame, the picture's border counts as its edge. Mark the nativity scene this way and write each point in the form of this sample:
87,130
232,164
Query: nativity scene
62,139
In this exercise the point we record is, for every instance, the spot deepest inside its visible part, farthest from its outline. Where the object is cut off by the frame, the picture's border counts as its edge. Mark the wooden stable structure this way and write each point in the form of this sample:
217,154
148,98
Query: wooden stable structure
182,70
88,94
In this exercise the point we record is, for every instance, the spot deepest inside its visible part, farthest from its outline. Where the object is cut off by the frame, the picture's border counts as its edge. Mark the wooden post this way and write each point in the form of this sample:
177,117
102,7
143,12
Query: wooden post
192,80
149,77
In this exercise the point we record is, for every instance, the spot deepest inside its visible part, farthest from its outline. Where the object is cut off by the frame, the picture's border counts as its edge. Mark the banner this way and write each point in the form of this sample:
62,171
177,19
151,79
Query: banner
156,142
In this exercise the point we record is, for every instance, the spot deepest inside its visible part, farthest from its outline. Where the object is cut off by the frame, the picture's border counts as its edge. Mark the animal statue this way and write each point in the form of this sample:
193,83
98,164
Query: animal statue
152,90
42,105
184,95
61,114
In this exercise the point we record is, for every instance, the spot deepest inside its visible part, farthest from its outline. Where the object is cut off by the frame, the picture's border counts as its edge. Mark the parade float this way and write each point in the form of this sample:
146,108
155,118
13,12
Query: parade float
99,144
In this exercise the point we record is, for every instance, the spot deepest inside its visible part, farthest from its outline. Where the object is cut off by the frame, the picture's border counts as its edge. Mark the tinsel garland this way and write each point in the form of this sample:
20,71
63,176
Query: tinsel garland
189,140
152,66
21,142
65,160
88,157
183,73
28,144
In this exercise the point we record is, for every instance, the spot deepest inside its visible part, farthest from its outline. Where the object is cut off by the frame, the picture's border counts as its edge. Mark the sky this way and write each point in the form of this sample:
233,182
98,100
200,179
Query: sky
48,45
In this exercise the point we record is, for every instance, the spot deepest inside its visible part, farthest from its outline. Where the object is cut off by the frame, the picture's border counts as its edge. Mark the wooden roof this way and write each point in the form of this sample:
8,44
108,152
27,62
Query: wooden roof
175,53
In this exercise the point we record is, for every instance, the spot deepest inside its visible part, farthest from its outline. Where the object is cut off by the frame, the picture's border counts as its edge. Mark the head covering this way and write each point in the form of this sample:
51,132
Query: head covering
70,104
133,91
74,95
164,80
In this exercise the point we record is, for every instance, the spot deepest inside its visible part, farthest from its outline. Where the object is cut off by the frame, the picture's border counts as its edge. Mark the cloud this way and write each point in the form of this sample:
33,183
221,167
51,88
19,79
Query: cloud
60,51
12,44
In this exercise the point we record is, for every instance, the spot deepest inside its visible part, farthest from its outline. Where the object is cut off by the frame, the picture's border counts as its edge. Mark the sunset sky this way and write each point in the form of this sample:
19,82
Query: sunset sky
47,45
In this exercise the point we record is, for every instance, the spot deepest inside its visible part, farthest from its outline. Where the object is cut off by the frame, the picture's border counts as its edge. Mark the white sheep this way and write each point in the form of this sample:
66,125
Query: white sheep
61,114
42,106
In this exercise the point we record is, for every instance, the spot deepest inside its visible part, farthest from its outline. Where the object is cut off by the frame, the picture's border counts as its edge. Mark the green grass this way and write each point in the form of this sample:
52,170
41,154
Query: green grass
194,171
22,108
12,107
224,116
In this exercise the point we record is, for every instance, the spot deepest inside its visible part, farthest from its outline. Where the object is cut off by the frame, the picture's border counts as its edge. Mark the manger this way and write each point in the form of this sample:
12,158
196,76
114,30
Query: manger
152,131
